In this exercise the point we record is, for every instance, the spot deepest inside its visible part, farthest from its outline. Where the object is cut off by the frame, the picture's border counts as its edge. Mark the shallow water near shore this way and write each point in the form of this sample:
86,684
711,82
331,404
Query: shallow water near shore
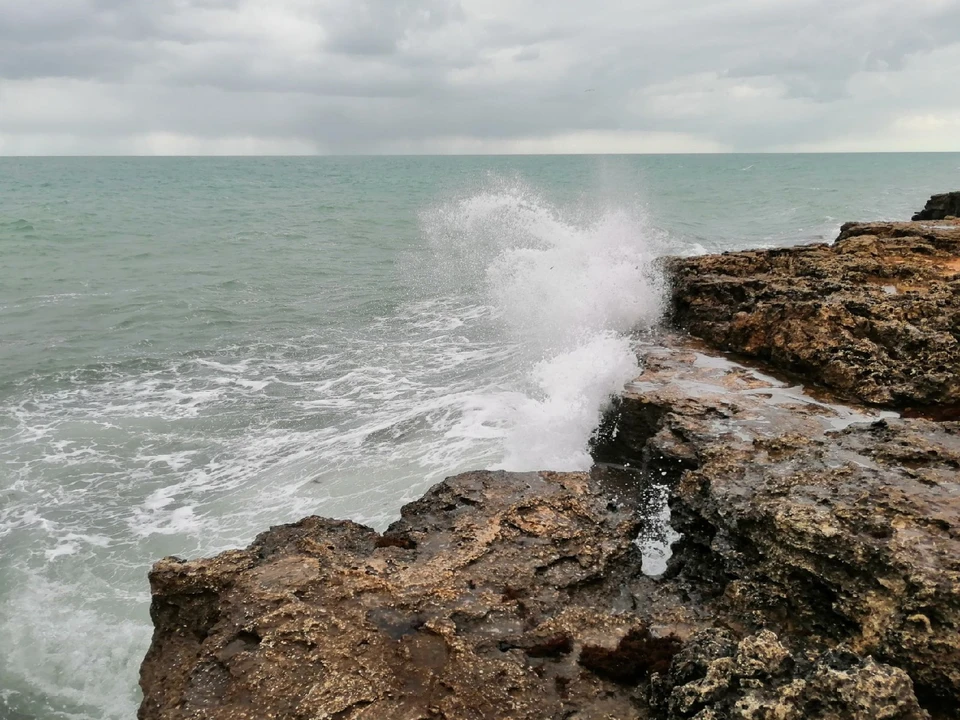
195,349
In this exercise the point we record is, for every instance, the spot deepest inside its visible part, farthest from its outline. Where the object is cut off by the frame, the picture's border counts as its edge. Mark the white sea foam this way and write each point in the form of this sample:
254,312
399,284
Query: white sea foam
549,429
62,645
567,289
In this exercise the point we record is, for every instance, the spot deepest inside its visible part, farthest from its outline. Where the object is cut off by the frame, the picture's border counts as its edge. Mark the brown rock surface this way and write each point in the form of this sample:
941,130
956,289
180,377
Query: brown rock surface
798,516
818,576
474,605
757,678
873,317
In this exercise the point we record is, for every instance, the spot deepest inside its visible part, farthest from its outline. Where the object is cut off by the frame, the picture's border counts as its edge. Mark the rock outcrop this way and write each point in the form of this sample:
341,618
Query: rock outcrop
872,317
799,516
817,577
940,207
814,570
476,604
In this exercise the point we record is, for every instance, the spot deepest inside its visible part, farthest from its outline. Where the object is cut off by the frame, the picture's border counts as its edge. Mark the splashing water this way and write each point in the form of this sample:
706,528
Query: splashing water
567,290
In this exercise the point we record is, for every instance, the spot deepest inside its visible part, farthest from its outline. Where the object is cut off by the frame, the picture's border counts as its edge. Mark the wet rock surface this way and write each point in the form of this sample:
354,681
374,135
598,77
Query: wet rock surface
829,525
476,604
817,576
872,317
717,677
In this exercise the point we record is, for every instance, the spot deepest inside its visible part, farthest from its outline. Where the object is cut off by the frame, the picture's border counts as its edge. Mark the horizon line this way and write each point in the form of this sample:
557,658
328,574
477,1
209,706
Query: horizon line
478,155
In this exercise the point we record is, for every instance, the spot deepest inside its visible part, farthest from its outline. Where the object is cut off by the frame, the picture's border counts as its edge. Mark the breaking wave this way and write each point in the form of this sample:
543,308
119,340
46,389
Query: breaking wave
567,287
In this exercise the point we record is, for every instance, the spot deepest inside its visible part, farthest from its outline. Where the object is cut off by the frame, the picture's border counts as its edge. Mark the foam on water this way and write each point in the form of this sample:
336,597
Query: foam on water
75,658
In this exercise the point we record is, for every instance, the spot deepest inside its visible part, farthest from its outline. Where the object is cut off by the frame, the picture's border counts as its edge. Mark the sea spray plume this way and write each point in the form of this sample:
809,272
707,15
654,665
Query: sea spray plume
551,423
567,289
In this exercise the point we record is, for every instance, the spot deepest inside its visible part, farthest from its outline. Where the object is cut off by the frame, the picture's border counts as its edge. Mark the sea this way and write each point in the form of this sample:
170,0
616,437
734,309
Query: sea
195,349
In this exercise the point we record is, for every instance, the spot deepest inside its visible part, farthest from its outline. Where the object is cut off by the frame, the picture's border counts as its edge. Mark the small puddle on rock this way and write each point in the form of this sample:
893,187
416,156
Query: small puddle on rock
778,392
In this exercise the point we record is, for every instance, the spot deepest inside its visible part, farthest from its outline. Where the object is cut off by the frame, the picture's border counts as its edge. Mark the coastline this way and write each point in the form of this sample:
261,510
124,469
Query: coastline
817,574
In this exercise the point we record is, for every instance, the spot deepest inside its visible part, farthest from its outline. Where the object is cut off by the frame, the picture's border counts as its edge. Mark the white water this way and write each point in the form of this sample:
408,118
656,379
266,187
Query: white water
567,289
504,358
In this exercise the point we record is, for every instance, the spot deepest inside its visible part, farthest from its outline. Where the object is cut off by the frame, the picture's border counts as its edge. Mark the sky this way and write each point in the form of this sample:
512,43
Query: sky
275,77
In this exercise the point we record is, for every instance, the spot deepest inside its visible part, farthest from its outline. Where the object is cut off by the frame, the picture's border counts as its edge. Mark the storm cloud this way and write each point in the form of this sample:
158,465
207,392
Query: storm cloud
441,76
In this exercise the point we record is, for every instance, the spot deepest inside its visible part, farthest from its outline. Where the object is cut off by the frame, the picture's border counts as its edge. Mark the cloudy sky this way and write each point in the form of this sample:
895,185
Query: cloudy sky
475,76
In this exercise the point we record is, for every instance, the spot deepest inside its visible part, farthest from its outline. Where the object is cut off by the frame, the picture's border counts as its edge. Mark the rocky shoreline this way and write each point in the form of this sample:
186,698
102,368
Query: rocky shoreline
813,478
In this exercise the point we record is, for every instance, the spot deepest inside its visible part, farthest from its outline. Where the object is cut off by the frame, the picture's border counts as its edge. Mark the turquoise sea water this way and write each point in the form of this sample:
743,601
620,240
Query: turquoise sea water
192,350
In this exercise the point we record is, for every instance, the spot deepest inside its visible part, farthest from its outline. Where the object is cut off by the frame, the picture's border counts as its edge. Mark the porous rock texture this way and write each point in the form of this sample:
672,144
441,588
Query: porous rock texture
716,677
817,578
815,520
474,605
873,317
940,207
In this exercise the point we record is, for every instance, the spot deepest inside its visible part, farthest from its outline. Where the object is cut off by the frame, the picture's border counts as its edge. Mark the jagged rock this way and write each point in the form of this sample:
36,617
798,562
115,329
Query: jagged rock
758,679
798,516
872,317
474,605
851,538
940,207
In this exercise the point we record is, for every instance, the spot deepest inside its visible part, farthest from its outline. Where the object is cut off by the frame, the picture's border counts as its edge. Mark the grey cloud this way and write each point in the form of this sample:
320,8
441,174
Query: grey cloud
355,75
818,51
377,27
527,54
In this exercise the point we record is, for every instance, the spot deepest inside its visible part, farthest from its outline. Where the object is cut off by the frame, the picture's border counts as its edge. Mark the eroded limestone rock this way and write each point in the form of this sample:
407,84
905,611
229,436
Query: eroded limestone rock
474,605
824,523
758,679
873,317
